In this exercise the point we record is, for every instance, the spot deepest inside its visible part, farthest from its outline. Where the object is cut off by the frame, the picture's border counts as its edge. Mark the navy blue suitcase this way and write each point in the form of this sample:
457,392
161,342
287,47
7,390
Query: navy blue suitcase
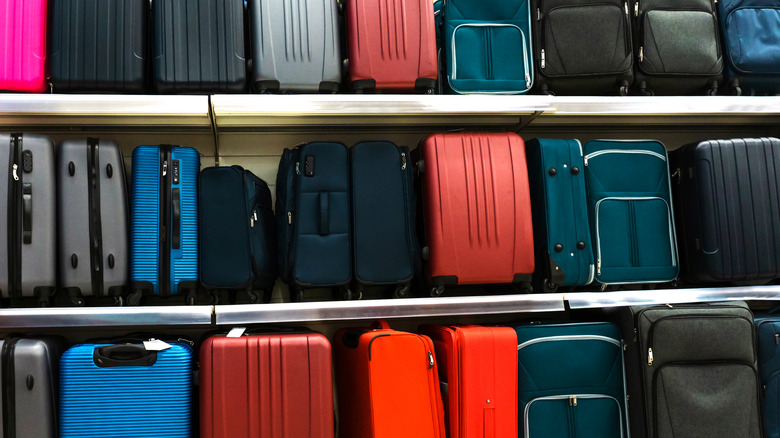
313,217
164,222
768,337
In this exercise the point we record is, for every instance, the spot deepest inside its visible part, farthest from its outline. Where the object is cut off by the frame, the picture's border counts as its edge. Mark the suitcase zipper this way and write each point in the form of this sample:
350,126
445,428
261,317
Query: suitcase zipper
14,210
9,394
569,338
572,401
95,223
165,221
410,222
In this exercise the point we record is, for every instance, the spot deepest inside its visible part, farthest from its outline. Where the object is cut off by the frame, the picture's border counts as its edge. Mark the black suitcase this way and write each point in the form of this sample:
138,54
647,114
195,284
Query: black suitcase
99,46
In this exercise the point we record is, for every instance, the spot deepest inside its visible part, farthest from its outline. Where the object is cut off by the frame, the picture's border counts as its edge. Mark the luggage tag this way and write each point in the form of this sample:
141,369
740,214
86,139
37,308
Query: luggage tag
236,332
156,345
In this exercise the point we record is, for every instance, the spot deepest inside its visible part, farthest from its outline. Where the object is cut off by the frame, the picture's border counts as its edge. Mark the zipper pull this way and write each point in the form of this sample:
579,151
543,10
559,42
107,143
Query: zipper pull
253,219
430,360
777,339
625,7
543,61
572,400
538,14
650,356
598,266
297,167
636,9
585,159
403,160
641,53
528,80
165,168
289,218
16,177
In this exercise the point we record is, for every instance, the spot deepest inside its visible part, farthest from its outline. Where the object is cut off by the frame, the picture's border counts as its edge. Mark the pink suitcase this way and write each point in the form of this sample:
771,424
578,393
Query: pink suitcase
23,45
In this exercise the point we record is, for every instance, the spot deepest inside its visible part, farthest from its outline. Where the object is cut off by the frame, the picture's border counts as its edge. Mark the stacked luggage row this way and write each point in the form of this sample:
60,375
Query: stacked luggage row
495,47
688,370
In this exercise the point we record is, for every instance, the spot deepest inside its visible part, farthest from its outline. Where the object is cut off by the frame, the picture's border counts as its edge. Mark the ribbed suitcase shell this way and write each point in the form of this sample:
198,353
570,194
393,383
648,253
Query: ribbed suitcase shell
392,45
477,208
23,45
99,46
274,386
768,342
126,401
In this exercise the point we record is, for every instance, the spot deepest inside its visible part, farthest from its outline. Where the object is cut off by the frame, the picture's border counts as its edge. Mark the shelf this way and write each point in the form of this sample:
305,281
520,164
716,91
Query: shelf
585,300
106,317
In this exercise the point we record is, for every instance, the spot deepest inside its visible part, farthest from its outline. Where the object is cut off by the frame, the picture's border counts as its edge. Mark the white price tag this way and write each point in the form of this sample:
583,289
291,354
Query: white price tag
156,345
236,332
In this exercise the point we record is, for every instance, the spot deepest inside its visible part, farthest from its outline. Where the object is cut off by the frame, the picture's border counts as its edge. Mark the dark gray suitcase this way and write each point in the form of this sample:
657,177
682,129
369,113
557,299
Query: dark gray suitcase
295,45
93,219
28,225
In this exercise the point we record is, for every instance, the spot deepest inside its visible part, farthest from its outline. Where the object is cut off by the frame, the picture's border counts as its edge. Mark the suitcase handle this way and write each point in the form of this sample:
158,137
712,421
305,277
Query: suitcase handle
324,225
124,355
176,220
380,324
27,213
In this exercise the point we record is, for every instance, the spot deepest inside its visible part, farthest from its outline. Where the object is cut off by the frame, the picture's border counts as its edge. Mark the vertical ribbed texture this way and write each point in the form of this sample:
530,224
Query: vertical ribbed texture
145,215
23,45
392,29
296,31
480,191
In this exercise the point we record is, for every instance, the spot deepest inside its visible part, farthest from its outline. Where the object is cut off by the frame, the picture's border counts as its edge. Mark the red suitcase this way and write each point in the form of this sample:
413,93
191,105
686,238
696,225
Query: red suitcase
392,45
387,384
23,45
270,386
477,209
478,368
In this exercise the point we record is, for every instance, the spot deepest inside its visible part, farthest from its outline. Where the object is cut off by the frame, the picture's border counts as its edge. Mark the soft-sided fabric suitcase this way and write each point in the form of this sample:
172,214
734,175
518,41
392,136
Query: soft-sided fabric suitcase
729,209
477,209
559,206
199,46
768,337
751,38
571,381
582,46
164,221
384,216
93,216
478,375
313,217
28,240
29,374
486,46
387,384
126,391
295,45
99,46
677,45
23,45
273,385
630,207
237,231
392,45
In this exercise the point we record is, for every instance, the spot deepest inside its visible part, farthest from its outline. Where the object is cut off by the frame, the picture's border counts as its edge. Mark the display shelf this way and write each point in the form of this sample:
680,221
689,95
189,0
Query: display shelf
106,317
585,300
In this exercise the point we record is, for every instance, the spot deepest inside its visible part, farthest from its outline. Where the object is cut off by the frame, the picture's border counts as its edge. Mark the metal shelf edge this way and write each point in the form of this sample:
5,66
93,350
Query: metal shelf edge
586,300
106,316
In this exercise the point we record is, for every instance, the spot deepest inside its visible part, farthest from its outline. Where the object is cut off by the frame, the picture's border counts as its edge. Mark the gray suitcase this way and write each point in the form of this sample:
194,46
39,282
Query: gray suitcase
29,371
295,45
93,219
28,226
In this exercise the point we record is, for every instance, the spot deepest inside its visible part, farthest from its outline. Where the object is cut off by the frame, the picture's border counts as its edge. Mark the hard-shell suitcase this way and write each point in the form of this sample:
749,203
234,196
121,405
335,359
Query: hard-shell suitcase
29,372
237,231
559,206
164,221
127,391
582,46
272,385
387,383
199,46
677,47
631,215
93,216
313,217
28,241
729,221
487,46
295,45
23,45
768,337
478,375
572,382
392,45
384,216
98,46
477,209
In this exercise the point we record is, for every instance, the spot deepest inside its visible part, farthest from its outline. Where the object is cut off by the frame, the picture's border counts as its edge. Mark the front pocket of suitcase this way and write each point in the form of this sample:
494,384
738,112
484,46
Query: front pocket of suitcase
577,415
772,405
680,42
490,52
753,39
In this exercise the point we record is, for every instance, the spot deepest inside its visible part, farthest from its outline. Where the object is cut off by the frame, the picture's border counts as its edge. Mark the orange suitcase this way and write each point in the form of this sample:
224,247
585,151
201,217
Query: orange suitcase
387,383
478,374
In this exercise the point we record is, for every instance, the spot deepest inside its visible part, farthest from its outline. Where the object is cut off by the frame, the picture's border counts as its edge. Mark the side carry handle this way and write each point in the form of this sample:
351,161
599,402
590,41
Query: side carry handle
176,219
124,355
27,213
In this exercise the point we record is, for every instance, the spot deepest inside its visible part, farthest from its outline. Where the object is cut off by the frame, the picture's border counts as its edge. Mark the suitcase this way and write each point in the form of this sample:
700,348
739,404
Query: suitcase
164,259
313,218
478,375
477,209
237,231
768,336
99,46
387,384
295,45
28,243
729,222
384,216
274,385
124,390
673,62
751,40
559,207
572,382
92,216
487,46
199,46
631,211
23,45
565,35
29,372
392,45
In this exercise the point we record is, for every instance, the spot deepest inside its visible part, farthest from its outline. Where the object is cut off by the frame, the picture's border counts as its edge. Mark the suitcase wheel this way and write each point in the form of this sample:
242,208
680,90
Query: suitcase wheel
425,253
402,291
296,295
347,294
437,291
624,90
134,298
421,166
252,297
549,286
